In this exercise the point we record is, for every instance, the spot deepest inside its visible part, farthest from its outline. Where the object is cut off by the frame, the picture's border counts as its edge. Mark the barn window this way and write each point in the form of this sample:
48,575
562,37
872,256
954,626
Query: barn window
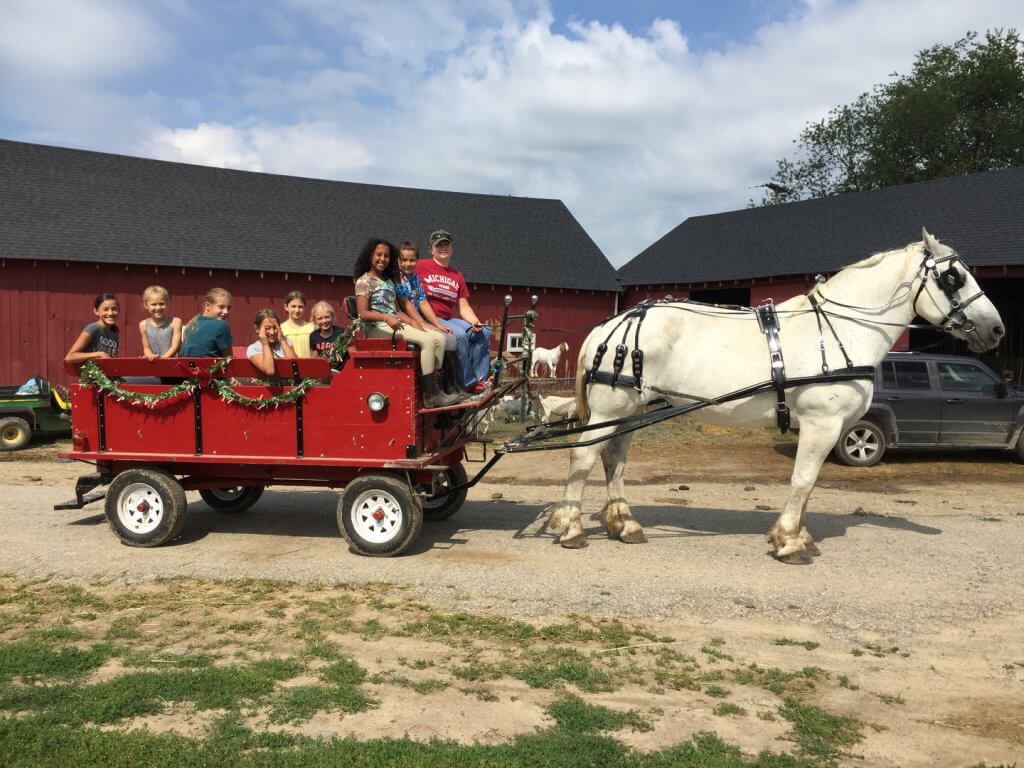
514,342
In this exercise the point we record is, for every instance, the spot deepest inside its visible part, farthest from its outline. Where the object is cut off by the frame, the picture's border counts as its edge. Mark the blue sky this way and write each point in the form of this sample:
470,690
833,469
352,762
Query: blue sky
637,114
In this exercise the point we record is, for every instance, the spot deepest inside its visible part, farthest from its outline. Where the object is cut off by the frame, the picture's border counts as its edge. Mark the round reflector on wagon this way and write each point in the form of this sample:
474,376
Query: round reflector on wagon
377,402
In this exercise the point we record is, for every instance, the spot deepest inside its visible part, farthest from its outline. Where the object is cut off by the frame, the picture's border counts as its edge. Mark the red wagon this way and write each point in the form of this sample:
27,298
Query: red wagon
363,428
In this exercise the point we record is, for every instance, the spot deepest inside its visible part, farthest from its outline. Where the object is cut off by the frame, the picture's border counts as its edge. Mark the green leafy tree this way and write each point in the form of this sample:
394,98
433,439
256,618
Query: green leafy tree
961,110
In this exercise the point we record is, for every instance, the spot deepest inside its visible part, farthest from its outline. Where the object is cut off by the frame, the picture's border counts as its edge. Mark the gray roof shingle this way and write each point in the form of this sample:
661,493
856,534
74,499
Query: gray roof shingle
981,215
75,205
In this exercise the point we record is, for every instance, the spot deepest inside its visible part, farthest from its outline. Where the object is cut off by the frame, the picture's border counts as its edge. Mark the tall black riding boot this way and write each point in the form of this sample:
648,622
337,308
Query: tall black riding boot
433,397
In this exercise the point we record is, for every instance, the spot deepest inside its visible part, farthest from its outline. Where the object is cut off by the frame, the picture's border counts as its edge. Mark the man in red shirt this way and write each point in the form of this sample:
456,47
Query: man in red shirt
448,295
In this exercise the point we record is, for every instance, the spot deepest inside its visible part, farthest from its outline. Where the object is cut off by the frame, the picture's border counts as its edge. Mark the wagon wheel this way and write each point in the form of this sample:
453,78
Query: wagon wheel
237,499
146,507
443,504
15,433
862,445
379,516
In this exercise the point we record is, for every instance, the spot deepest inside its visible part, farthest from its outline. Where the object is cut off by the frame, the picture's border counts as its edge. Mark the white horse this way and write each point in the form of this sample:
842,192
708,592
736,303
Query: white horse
705,352
549,357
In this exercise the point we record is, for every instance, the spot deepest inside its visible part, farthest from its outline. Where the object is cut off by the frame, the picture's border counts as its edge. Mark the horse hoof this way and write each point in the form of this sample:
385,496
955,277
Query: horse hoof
632,533
796,558
574,542
812,549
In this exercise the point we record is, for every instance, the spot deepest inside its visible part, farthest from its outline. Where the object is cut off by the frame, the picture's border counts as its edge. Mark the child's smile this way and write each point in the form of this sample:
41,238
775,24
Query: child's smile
108,312
381,258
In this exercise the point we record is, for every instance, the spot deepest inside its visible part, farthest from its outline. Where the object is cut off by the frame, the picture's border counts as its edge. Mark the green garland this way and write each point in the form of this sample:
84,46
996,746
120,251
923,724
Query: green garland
90,375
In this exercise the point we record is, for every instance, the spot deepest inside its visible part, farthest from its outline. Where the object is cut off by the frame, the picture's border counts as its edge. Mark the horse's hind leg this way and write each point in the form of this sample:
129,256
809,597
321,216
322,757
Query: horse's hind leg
618,519
789,536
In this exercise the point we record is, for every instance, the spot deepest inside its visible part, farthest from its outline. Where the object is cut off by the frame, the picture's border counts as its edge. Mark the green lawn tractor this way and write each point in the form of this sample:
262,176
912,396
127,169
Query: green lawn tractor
36,407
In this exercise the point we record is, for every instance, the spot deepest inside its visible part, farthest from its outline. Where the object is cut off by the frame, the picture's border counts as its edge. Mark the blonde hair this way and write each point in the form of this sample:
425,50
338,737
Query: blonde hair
215,293
322,305
156,289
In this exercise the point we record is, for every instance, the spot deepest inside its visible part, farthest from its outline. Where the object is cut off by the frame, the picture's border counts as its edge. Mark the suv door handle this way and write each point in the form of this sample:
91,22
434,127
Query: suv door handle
894,399
955,401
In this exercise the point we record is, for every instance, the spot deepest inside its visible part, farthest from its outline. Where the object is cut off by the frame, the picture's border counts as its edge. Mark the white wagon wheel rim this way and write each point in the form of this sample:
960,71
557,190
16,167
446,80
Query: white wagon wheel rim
444,482
376,516
862,443
227,494
140,508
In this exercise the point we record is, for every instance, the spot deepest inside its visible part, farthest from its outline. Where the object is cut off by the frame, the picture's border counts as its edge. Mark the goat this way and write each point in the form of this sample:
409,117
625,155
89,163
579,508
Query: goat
548,357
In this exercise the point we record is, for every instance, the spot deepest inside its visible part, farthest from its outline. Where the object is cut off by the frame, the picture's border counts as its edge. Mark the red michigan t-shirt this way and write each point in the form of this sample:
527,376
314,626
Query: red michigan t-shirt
444,287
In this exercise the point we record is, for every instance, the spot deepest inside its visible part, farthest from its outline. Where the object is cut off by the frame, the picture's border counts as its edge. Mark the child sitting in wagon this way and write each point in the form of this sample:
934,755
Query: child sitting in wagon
270,342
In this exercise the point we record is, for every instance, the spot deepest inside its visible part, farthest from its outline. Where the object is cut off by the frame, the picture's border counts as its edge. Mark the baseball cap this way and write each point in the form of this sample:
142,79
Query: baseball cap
440,235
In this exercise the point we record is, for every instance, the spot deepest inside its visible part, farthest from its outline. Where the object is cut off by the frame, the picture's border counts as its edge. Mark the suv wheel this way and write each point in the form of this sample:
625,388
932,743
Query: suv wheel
861,445
1020,446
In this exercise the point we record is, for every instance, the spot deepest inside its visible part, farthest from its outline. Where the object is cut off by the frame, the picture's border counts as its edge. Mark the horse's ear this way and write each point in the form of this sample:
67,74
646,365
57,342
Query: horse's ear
929,242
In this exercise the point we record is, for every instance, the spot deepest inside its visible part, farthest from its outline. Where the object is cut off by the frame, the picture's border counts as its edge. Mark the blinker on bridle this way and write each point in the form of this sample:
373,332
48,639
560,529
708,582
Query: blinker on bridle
950,283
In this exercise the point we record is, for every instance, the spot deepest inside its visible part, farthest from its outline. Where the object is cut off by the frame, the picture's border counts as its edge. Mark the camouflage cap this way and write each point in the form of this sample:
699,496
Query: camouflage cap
440,235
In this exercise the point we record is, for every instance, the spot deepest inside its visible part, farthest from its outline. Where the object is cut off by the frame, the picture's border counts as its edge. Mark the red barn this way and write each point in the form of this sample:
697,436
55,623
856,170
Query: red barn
744,257
78,223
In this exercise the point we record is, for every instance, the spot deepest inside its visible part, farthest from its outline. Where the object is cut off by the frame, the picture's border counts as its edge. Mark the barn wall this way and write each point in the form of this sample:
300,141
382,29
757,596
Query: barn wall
45,305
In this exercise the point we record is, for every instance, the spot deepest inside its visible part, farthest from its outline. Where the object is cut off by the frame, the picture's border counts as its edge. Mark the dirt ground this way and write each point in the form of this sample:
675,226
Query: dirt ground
921,557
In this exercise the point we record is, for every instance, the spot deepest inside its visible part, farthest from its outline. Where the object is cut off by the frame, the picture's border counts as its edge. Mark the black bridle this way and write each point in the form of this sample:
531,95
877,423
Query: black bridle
950,283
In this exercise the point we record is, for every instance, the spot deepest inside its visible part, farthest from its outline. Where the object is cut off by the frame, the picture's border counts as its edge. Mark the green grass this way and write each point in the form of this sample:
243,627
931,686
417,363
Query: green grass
844,682
145,693
344,671
716,691
32,659
301,702
574,714
891,699
777,681
819,735
549,667
810,645
728,708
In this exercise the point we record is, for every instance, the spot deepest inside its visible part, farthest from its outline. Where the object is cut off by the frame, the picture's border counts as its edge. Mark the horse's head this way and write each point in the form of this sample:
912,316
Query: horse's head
949,296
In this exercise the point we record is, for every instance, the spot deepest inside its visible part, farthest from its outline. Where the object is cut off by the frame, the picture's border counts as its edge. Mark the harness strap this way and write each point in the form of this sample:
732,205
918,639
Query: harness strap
819,314
616,378
768,321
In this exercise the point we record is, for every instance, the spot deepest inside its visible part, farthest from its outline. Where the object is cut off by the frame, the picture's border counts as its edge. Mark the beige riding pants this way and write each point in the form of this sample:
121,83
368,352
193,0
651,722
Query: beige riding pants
431,344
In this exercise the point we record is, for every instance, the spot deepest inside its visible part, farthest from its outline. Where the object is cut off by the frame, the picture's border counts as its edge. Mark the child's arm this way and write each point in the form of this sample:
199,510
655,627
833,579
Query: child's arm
147,351
76,355
289,353
172,351
365,313
264,361
428,312
407,311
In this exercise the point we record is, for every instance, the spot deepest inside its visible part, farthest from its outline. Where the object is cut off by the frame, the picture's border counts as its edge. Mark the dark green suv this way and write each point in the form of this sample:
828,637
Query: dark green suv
935,401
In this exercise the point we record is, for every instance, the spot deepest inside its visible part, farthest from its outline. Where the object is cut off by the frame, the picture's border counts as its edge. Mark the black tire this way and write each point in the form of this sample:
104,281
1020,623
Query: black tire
399,523
232,500
1020,446
135,493
443,505
15,433
862,444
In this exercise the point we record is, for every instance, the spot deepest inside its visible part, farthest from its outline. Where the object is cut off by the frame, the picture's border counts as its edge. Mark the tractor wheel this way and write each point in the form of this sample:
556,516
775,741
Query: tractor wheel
862,445
443,504
146,507
15,433
379,516
232,500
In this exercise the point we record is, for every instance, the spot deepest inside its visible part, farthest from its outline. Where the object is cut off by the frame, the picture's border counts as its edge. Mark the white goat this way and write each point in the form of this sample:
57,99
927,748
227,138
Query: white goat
548,357
554,408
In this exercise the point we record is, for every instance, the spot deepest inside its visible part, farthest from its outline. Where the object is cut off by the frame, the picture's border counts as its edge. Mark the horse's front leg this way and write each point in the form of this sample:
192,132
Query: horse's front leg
565,515
789,536
618,519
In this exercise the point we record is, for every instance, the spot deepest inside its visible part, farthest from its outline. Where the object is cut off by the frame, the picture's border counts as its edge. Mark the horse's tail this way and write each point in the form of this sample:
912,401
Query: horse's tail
582,406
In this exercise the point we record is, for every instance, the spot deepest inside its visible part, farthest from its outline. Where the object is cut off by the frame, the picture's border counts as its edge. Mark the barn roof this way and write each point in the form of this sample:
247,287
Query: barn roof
73,205
981,215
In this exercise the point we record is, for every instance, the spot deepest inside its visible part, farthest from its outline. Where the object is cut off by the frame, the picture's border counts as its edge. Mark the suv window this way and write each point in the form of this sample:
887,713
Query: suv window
963,377
905,374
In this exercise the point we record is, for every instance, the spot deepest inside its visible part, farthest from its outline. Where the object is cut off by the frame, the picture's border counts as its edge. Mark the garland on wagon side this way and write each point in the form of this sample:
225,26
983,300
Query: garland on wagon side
90,375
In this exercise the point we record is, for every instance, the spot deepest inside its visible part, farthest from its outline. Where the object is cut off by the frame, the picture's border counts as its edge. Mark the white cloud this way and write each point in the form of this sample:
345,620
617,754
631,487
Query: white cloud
307,149
74,40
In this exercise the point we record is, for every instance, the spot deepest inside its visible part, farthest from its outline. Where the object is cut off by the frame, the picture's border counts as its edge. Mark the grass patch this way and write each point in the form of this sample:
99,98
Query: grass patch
477,672
33,659
124,628
574,714
713,648
716,692
844,682
167,660
553,666
777,681
429,686
373,630
818,734
344,671
809,645
146,693
300,703
890,699
728,708
480,692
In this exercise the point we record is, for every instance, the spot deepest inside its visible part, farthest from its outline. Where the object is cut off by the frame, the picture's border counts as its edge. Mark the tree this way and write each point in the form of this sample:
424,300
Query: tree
960,110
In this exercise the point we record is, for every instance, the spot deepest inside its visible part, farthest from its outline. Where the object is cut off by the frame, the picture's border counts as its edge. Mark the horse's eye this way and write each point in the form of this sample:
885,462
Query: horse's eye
954,278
